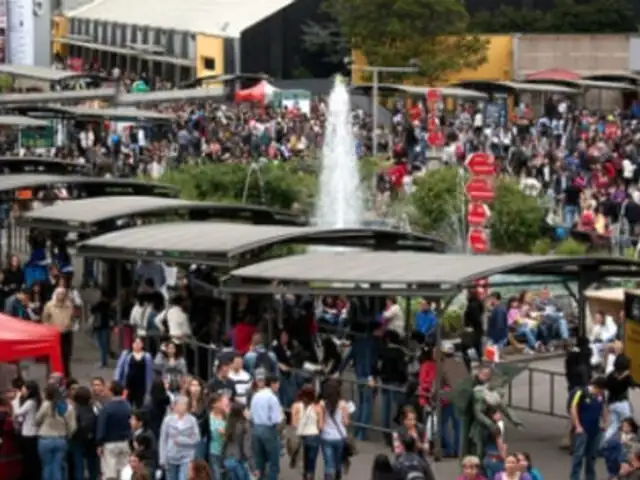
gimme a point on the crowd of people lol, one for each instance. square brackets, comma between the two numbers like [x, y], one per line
[173, 407]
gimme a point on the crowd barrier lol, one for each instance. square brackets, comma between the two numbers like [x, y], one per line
[525, 393]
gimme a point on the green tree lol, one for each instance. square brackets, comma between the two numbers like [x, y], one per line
[437, 206]
[397, 32]
[567, 16]
[507, 19]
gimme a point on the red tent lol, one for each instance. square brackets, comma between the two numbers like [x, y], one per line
[22, 339]
[261, 93]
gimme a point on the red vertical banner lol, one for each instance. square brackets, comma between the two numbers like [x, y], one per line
[479, 191]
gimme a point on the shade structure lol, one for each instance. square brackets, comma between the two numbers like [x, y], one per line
[21, 339]
[261, 93]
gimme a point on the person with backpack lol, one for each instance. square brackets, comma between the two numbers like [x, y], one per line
[56, 422]
[409, 464]
[259, 356]
[82, 445]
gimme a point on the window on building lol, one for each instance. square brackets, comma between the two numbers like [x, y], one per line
[209, 63]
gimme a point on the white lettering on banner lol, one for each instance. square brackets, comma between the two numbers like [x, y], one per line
[21, 32]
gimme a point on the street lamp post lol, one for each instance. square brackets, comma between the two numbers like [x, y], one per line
[375, 71]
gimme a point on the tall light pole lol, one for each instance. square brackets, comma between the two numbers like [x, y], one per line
[375, 71]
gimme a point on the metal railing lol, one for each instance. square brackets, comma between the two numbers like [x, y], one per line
[524, 393]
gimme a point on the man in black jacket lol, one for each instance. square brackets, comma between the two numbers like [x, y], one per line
[410, 465]
[113, 433]
[473, 325]
[391, 371]
[143, 441]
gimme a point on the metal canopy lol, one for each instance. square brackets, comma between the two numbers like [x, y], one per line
[86, 214]
[19, 121]
[120, 114]
[171, 96]
[454, 92]
[218, 243]
[420, 271]
[75, 96]
[91, 186]
[45, 74]
[517, 86]
[39, 165]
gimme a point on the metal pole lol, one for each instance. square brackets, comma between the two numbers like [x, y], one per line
[374, 112]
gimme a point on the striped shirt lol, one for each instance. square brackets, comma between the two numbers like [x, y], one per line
[242, 382]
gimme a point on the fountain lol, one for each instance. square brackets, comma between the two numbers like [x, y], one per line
[340, 200]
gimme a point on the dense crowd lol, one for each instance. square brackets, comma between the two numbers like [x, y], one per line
[193, 398]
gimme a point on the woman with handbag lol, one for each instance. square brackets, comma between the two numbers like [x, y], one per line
[333, 435]
[307, 418]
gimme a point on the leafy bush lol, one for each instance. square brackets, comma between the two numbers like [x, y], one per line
[438, 207]
[282, 186]
[571, 247]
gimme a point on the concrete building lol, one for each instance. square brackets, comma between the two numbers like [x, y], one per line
[173, 39]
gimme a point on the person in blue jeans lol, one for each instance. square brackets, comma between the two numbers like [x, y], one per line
[266, 415]
[52, 452]
[449, 430]
[334, 431]
[364, 354]
[103, 316]
[56, 421]
[587, 412]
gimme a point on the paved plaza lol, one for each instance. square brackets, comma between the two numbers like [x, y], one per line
[541, 436]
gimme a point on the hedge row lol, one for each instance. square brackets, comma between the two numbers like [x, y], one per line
[436, 205]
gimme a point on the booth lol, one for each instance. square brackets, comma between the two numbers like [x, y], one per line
[21, 339]
[262, 93]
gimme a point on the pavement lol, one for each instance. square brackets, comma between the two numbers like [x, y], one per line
[534, 390]
[541, 436]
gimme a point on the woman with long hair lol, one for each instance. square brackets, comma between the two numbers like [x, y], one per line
[512, 470]
[135, 371]
[216, 433]
[382, 468]
[524, 460]
[199, 470]
[238, 461]
[25, 417]
[179, 438]
[198, 408]
[333, 435]
[307, 417]
[82, 444]
[410, 428]
[157, 405]
[56, 421]
[169, 363]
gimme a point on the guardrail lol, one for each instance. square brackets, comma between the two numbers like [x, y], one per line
[525, 393]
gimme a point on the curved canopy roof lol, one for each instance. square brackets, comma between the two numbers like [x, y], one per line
[47, 74]
[483, 85]
[426, 271]
[217, 243]
[39, 164]
[92, 187]
[71, 96]
[86, 214]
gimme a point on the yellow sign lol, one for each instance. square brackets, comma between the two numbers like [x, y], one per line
[632, 332]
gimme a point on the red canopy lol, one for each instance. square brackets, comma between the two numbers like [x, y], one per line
[22, 339]
[261, 93]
